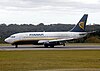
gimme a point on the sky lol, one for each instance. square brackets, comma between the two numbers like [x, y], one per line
[48, 11]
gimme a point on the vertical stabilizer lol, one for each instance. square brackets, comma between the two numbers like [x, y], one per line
[80, 27]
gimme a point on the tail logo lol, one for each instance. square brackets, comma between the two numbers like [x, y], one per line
[81, 25]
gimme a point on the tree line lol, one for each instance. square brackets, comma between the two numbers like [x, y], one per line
[7, 30]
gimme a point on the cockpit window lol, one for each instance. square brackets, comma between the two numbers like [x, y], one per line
[12, 36]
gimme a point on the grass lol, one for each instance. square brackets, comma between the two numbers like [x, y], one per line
[5, 44]
[48, 59]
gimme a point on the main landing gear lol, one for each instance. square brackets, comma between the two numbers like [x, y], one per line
[16, 46]
[46, 46]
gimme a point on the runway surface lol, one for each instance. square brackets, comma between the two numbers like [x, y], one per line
[31, 47]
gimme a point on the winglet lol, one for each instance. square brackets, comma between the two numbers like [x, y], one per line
[80, 27]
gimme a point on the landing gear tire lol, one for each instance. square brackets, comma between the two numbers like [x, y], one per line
[63, 44]
[52, 46]
[46, 46]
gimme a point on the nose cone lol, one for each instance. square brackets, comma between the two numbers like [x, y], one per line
[7, 40]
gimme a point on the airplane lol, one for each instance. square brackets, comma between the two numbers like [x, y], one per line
[49, 39]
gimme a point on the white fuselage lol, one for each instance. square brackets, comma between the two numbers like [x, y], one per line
[44, 36]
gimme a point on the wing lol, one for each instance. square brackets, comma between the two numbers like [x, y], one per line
[54, 41]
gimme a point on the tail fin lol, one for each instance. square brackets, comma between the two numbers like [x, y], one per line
[80, 27]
